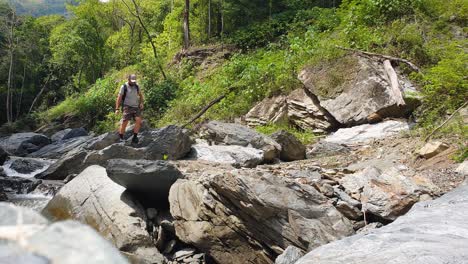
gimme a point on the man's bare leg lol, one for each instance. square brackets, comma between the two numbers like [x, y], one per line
[123, 126]
[137, 127]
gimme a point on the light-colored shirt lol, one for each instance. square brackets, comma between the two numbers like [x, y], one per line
[131, 99]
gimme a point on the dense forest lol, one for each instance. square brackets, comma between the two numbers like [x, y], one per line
[54, 66]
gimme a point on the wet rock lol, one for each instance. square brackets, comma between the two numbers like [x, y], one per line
[21, 144]
[92, 198]
[357, 92]
[236, 156]
[433, 232]
[431, 149]
[365, 133]
[291, 148]
[150, 180]
[71, 163]
[305, 112]
[386, 194]
[272, 110]
[289, 256]
[242, 216]
[235, 134]
[50, 243]
[26, 166]
[18, 185]
[3, 156]
[60, 148]
[324, 149]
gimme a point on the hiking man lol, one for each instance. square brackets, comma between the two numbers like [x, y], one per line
[131, 98]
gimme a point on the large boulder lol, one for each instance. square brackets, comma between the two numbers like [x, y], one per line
[3, 156]
[149, 180]
[170, 142]
[432, 232]
[21, 144]
[291, 148]
[115, 151]
[304, 111]
[71, 163]
[386, 194]
[92, 198]
[367, 132]
[272, 110]
[69, 133]
[324, 149]
[252, 216]
[28, 238]
[60, 148]
[103, 141]
[357, 90]
[235, 134]
[237, 156]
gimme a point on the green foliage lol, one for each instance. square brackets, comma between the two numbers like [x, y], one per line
[306, 137]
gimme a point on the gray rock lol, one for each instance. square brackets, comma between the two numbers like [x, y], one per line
[59, 135]
[93, 199]
[272, 110]
[21, 144]
[365, 133]
[236, 156]
[26, 166]
[3, 156]
[129, 130]
[362, 94]
[71, 163]
[305, 112]
[431, 232]
[243, 216]
[50, 243]
[60, 148]
[115, 151]
[291, 148]
[150, 180]
[463, 168]
[102, 141]
[324, 149]
[235, 134]
[289, 256]
[387, 194]
[170, 142]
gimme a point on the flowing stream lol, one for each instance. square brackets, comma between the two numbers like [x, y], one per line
[27, 168]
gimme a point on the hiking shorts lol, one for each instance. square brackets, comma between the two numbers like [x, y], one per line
[130, 113]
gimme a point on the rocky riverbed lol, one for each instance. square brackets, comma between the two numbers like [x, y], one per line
[367, 193]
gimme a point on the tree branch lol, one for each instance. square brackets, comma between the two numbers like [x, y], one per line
[445, 122]
[208, 106]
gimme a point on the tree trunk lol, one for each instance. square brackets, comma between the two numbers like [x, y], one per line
[209, 19]
[9, 110]
[18, 106]
[187, 25]
[39, 94]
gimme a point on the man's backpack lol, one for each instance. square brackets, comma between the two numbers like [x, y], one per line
[125, 93]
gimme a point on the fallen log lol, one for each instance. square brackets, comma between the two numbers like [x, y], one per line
[208, 106]
[383, 57]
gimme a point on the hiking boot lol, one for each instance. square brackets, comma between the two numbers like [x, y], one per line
[135, 140]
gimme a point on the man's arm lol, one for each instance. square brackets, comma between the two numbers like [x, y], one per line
[117, 103]
[140, 95]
